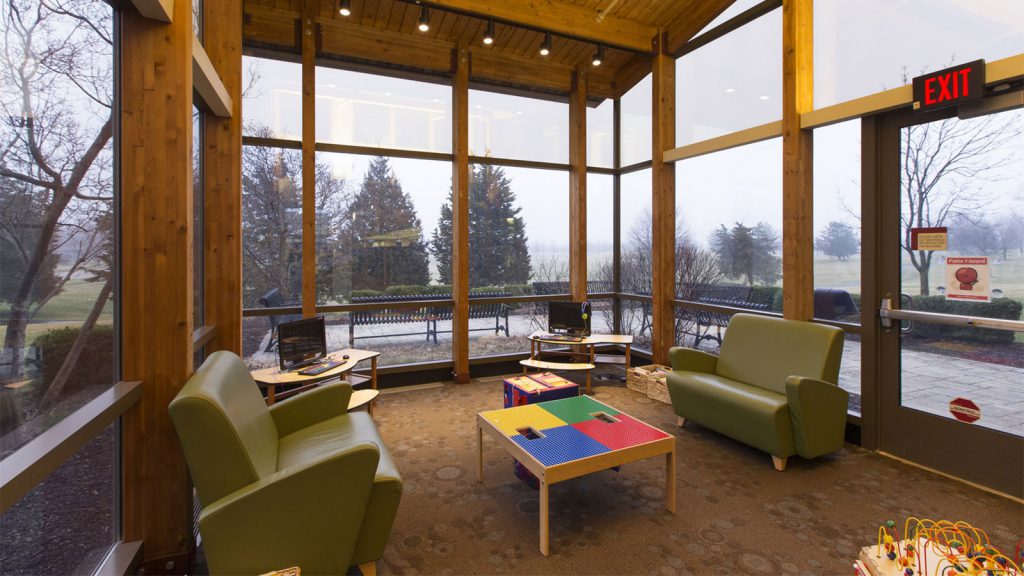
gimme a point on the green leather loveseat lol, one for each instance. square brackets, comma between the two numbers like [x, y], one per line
[772, 386]
[301, 483]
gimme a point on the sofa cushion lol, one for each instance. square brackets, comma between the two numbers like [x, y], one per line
[750, 414]
[763, 351]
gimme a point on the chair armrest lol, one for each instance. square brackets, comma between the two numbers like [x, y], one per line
[310, 407]
[312, 512]
[817, 410]
[692, 360]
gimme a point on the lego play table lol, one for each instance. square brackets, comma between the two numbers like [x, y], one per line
[564, 439]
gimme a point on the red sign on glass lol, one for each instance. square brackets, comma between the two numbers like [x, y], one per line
[964, 410]
[949, 87]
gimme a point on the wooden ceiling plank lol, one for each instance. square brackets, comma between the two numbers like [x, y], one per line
[561, 18]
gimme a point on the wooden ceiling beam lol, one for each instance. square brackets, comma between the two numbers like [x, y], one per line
[560, 18]
[275, 28]
[691, 19]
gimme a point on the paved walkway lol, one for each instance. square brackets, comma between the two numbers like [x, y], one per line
[930, 380]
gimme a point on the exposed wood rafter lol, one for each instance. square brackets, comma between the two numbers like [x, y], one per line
[207, 83]
[561, 18]
[159, 10]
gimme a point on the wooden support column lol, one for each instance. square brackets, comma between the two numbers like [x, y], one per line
[797, 161]
[578, 186]
[617, 215]
[222, 181]
[310, 10]
[156, 275]
[663, 204]
[460, 214]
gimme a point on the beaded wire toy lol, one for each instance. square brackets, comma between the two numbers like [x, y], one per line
[956, 548]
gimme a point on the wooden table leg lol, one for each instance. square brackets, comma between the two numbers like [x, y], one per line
[270, 394]
[479, 454]
[592, 358]
[670, 481]
[627, 357]
[373, 382]
[544, 547]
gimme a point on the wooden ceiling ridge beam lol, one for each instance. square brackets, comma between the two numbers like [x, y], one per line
[559, 18]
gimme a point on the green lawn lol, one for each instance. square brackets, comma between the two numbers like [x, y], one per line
[67, 309]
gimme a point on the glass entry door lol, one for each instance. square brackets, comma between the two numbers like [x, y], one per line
[952, 276]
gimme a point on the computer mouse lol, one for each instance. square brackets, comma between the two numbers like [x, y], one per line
[345, 357]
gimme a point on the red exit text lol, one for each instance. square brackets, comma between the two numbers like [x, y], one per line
[950, 86]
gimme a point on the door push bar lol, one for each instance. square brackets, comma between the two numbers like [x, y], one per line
[887, 314]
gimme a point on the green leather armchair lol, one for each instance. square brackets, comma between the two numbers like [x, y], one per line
[772, 386]
[301, 483]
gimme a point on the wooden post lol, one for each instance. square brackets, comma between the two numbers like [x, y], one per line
[663, 204]
[617, 216]
[797, 161]
[310, 10]
[222, 181]
[578, 186]
[156, 274]
[460, 215]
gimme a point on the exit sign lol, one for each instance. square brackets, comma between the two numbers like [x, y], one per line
[949, 87]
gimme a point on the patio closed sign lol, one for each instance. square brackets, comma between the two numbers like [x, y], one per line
[967, 278]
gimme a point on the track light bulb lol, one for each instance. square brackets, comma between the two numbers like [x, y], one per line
[424, 19]
[598, 56]
[489, 35]
[345, 8]
[545, 46]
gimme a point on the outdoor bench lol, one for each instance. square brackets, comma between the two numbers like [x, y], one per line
[428, 314]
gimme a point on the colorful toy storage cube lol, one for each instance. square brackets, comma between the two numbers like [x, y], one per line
[536, 388]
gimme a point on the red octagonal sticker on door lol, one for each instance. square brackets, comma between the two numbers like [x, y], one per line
[964, 410]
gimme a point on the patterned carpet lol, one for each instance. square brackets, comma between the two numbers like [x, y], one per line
[736, 514]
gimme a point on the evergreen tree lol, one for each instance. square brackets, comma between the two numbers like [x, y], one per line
[838, 241]
[498, 254]
[383, 234]
[748, 252]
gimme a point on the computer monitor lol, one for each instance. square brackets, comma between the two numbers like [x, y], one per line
[301, 342]
[569, 318]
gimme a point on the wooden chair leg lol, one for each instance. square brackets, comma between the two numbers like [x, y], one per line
[368, 568]
[780, 463]
[680, 421]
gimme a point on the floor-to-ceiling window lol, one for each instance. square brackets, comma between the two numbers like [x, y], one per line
[58, 284]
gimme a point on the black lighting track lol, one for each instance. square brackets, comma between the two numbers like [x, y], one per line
[485, 18]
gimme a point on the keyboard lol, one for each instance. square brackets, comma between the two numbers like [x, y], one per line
[319, 368]
[559, 338]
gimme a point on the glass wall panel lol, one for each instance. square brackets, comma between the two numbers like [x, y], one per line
[636, 123]
[600, 231]
[907, 39]
[732, 83]
[68, 522]
[56, 281]
[635, 320]
[271, 232]
[518, 244]
[503, 126]
[729, 232]
[197, 218]
[377, 220]
[372, 110]
[271, 98]
[635, 224]
[600, 135]
[837, 226]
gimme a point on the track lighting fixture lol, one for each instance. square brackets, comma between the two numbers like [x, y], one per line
[598, 56]
[489, 35]
[545, 46]
[424, 19]
[345, 7]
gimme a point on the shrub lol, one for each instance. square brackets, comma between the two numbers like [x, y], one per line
[770, 296]
[364, 293]
[95, 365]
[1003, 308]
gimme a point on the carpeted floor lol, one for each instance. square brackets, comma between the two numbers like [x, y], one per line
[735, 515]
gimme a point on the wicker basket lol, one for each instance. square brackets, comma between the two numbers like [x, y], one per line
[650, 380]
